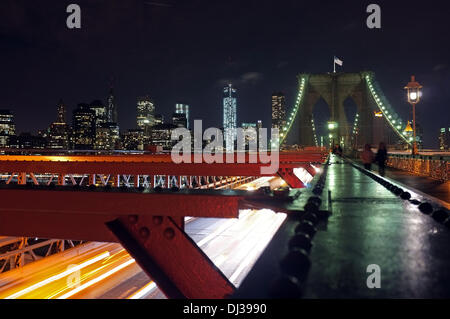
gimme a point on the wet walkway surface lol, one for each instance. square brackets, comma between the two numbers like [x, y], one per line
[426, 185]
[369, 225]
[435, 188]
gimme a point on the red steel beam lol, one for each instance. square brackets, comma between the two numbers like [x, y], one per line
[287, 174]
[297, 156]
[81, 214]
[171, 258]
[148, 224]
[133, 168]
[145, 164]
[223, 204]
[160, 164]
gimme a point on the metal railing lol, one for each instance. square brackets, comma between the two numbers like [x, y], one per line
[433, 166]
[15, 257]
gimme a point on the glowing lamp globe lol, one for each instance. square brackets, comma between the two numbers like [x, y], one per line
[413, 91]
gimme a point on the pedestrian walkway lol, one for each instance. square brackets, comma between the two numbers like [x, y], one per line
[435, 188]
[369, 225]
[426, 185]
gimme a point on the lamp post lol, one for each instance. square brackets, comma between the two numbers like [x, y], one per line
[414, 93]
[331, 127]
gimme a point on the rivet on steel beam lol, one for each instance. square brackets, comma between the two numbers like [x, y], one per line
[157, 220]
[144, 232]
[169, 233]
[133, 219]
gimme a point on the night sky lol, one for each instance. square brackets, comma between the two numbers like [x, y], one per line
[186, 50]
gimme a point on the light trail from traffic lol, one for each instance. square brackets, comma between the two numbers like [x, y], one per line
[232, 244]
[58, 276]
[96, 279]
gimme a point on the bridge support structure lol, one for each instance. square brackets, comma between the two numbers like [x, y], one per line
[148, 222]
[375, 119]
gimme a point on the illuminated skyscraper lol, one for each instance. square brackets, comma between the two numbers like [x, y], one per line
[181, 108]
[7, 127]
[278, 110]
[106, 136]
[83, 133]
[251, 138]
[444, 139]
[179, 119]
[61, 118]
[159, 119]
[111, 108]
[145, 114]
[58, 137]
[133, 139]
[229, 115]
[101, 112]
[161, 135]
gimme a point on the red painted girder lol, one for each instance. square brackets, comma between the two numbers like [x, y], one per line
[182, 269]
[40, 224]
[81, 215]
[132, 168]
[300, 156]
[310, 169]
[287, 174]
[116, 202]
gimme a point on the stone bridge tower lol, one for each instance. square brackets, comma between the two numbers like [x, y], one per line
[335, 88]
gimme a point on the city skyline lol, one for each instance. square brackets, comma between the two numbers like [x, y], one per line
[43, 63]
[243, 151]
[147, 117]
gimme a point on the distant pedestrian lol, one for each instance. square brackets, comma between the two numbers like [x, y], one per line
[367, 157]
[381, 158]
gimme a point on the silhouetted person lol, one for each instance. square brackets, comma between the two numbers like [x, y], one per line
[367, 157]
[338, 150]
[381, 158]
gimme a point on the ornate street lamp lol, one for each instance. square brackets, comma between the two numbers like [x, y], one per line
[414, 93]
